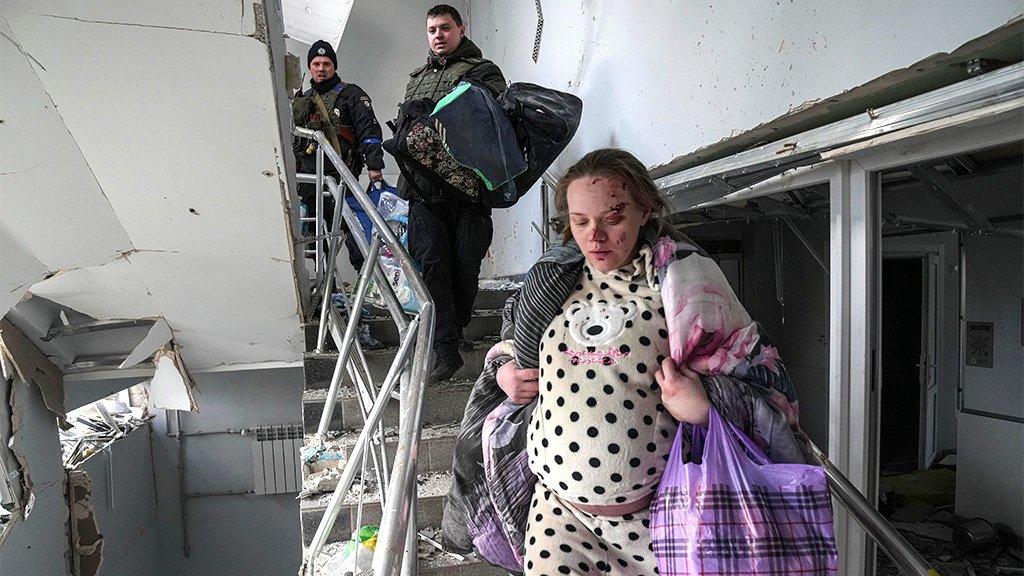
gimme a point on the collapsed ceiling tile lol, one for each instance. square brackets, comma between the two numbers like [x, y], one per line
[171, 387]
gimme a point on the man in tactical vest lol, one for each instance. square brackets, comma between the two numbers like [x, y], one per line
[343, 112]
[448, 236]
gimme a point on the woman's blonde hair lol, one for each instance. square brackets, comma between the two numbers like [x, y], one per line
[611, 163]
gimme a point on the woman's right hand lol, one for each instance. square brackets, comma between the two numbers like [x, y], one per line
[682, 393]
[520, 384]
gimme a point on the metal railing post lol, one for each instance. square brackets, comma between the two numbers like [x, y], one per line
[395, 517]
[345, 347]
[328, 280]
[412, 542]
[318, 203]
[411, 364]
[348, 474]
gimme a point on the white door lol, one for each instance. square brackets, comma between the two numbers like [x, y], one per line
[926, 367]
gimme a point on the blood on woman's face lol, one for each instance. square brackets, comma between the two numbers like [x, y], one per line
[604, 221]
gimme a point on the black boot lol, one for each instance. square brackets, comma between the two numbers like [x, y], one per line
[446, 364]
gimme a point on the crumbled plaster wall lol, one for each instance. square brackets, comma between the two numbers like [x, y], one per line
[86, 540]
[39, 544]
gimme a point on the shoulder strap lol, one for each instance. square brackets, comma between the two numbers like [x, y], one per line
[330, 133]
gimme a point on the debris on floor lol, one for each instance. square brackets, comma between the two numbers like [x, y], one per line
[496, 284]
[430, 555]
[953, 545]
[914, 511]
[920, 506]
[936, 487]
[350, 558]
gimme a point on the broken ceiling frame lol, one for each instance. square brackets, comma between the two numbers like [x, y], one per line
[943, 190]
[94, 326]
[901, 225]
[159, 335]
[95, 427]
[708, 182]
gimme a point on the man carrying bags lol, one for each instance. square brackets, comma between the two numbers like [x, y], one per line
[449, 234]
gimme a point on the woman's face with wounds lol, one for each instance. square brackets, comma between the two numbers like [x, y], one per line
[604, 221]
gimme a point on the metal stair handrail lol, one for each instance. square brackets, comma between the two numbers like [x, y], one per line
[397, 539]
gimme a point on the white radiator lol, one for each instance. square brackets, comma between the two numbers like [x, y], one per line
[276, 467]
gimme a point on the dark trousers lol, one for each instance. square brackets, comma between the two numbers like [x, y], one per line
[449, 240]
[307, 193]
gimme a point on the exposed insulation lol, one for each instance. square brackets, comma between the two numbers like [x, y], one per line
[87, 542]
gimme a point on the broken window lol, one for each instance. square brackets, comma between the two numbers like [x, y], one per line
[94, 427]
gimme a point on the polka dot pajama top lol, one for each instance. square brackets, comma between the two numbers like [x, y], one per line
[600, 436]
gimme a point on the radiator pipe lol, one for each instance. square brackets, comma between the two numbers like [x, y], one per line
[225, 493]
[186, 547]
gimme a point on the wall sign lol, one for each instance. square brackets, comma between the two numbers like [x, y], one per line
[980, 343]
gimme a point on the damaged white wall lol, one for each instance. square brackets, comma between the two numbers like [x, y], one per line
[664, 78]
[990, 458]
[39, 544]
[147, 176]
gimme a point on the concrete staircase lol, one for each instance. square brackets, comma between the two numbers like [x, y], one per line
[442, 412]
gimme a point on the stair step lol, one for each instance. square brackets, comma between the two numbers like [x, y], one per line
[486, 321]
[443, 565]
[444, 403]
[431, 561]
[483, 324]
[493, 293]
[433, 490]
[436, 451]
[320, 367]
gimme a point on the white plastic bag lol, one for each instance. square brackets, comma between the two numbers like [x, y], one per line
[396, 213]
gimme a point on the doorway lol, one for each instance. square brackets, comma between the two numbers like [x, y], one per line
[908, 386]
[934, 216]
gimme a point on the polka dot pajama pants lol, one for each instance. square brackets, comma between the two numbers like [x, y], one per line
[561, 539]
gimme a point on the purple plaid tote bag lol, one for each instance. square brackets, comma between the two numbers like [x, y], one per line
[738, 513]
